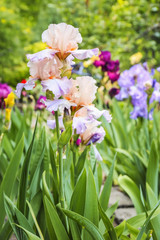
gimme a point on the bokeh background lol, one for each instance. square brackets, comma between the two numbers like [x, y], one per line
[122, 27]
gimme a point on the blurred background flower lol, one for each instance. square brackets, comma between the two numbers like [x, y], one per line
[4, 91]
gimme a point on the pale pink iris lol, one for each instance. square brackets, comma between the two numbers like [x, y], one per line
[63, 39]
[83, 91]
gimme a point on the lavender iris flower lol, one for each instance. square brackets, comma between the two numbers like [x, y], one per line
[156, 93]
[135, 83]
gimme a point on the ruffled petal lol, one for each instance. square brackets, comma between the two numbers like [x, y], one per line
[62, 36]
[82, 54]
[80, 124]
[47, 53]
[57, 104]
[29, 85]
[45, 68]
[96, 113]
[59, 87]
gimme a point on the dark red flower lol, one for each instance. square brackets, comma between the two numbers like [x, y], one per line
[113, 92]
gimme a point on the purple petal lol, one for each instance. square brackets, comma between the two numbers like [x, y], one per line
[80, 124]
[97, 136]
[78, 142]
[122, 94]
[158, 69]
[4, 90]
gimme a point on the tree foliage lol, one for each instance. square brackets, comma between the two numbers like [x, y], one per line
[122, 27]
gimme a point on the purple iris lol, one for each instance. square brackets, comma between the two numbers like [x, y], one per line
[104, 57]
[136, 83]
[112, 66]
[108, 65]
[4, 91]
[94, 138]
[123, 94]
[156, 93]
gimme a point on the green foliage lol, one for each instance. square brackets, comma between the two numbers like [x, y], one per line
[30, 181]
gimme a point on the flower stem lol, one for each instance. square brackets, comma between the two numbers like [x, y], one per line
[60, 152]
[61, 191]
[74, 163]
[57, 124]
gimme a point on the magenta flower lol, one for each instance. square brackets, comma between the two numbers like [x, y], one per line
[104, 57]
[113, 66]
[39, 104]
[78, 142]
[108, 65]
[113, 76]
[4, 91]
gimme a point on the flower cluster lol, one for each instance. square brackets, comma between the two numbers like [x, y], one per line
[110, 69]
[39, 104]
[4, 91]
[107, 65]
[9, 103]
[73, 98]
[138, 83]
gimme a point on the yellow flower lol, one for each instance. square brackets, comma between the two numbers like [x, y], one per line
[8, 114]
[90, 61]
[9, 101]
[27, 30]
[3, 9]
[3, 20]
[136, 58]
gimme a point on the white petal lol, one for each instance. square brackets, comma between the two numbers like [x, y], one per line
[52, 123]
[97, 154]
[82, 54]
[96, 113]
[46, 53]
[29, 85]
[59, 87]
[62, 37]
[57, 104]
